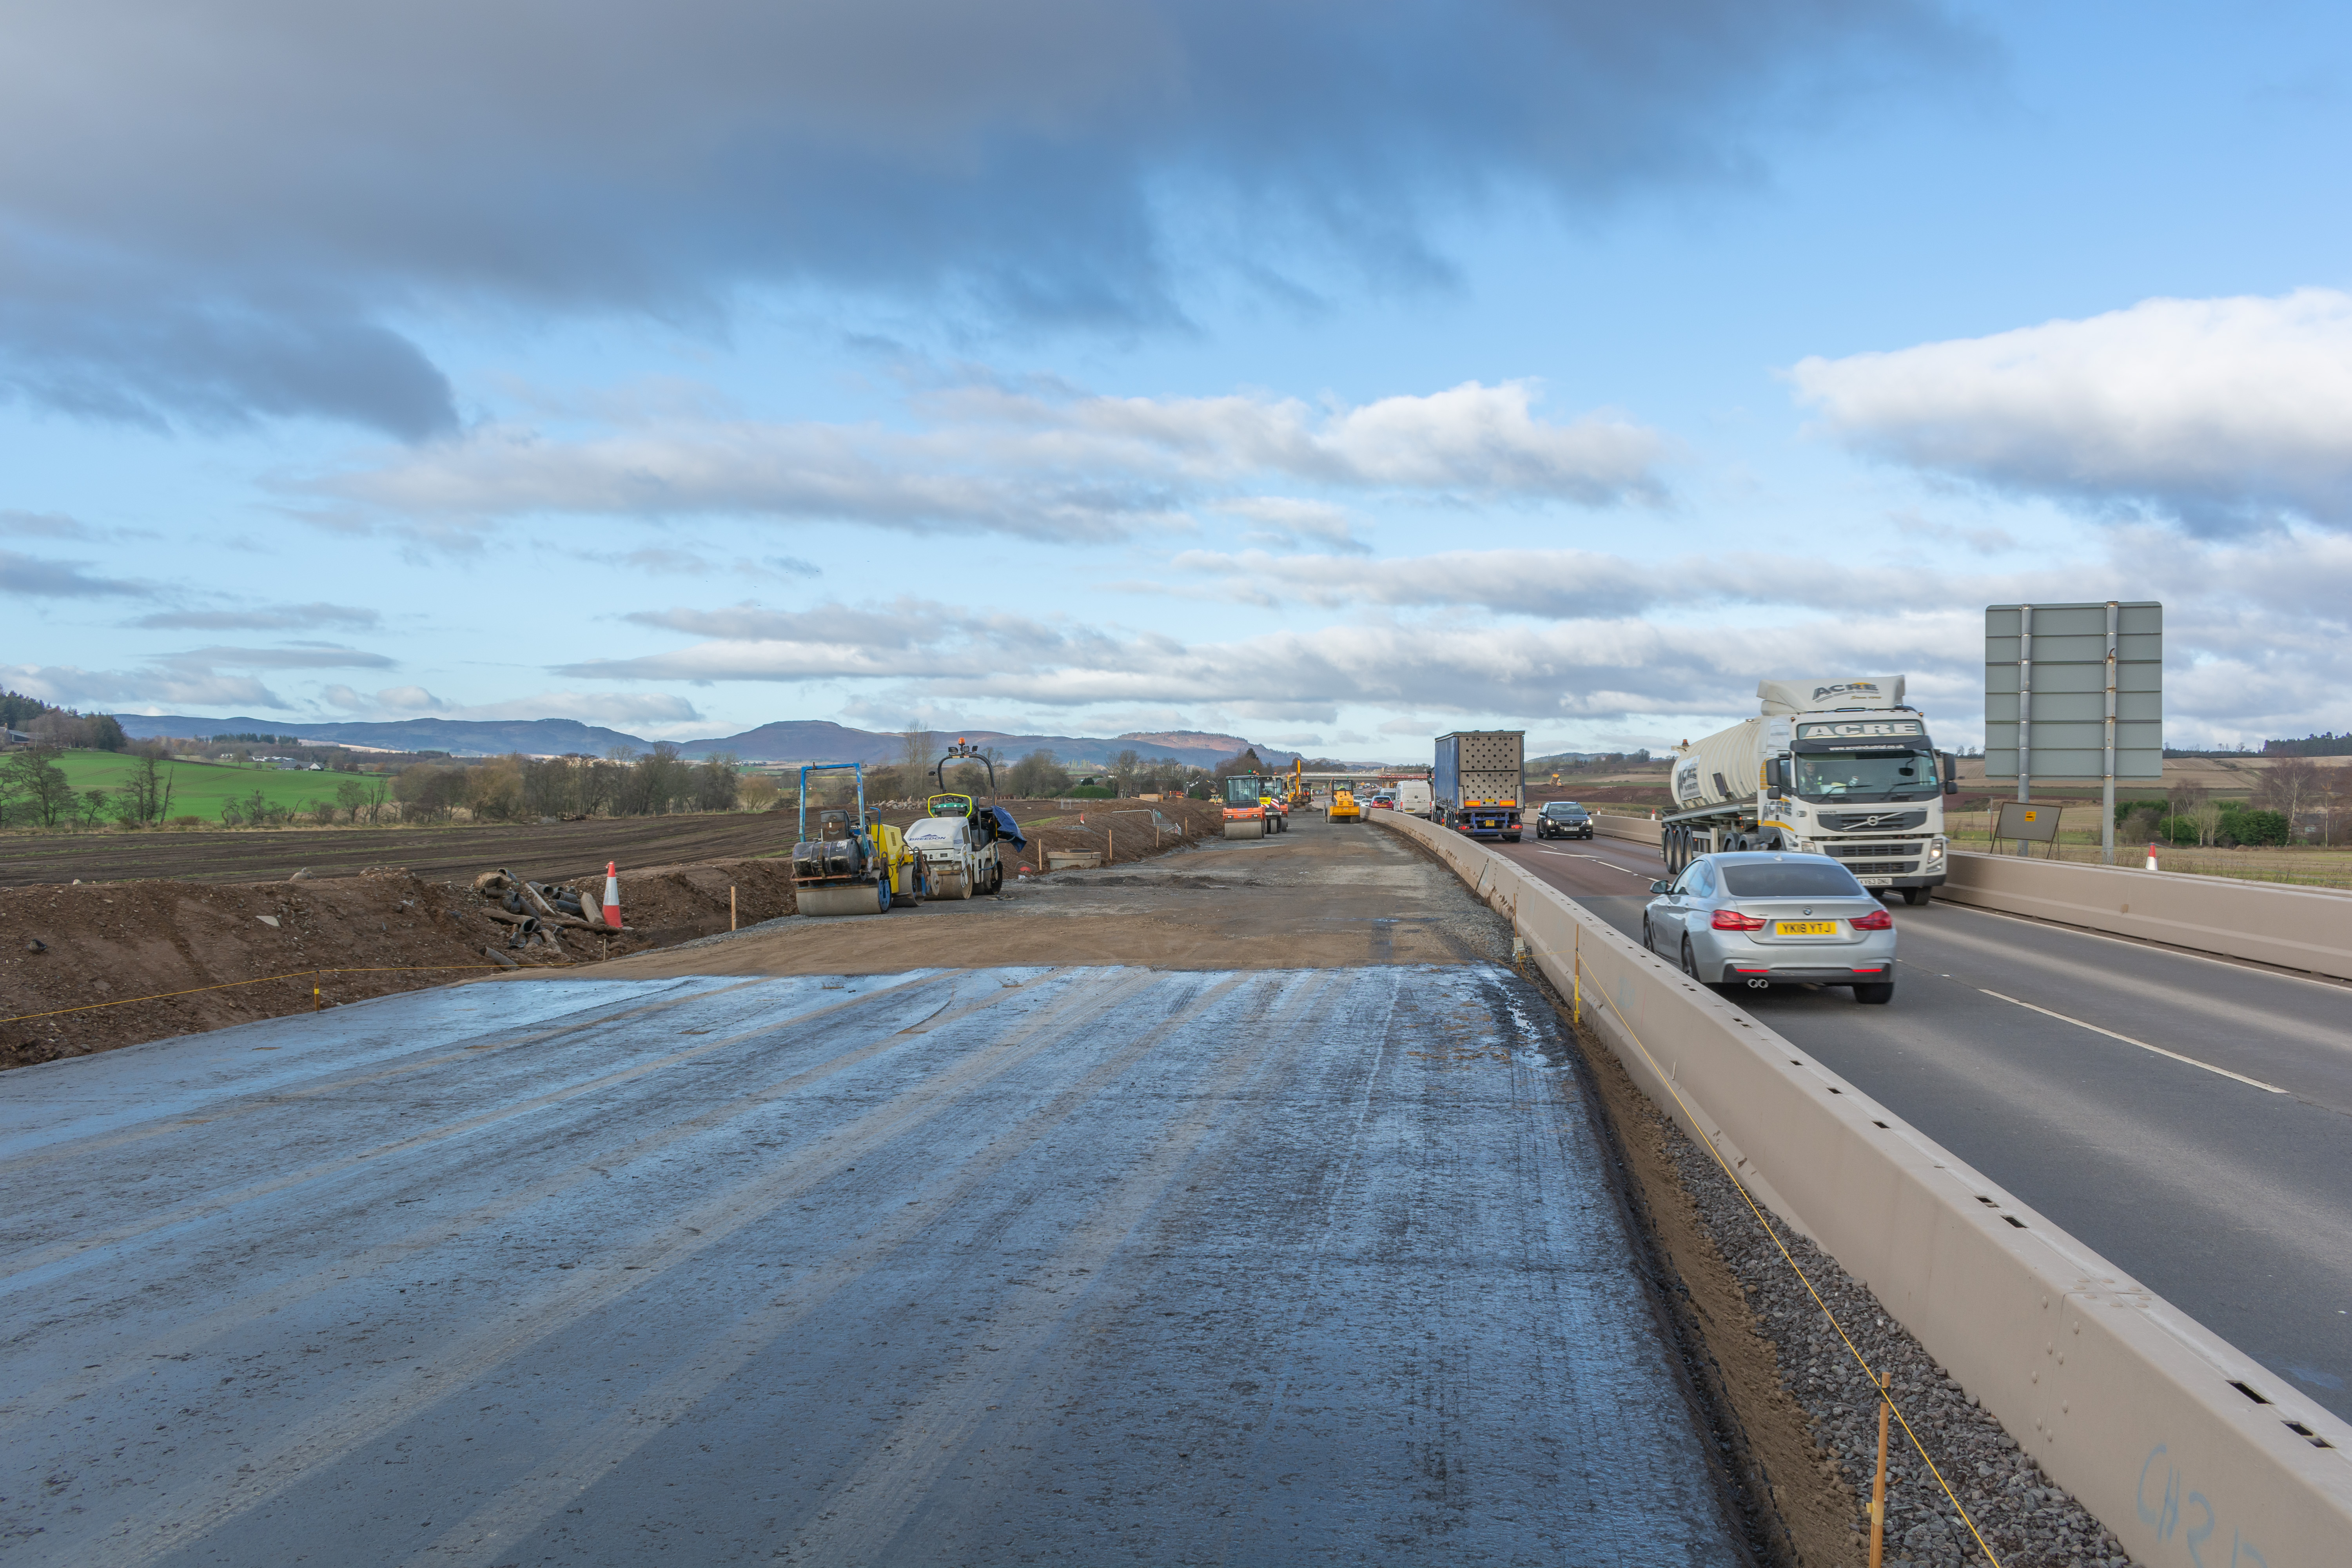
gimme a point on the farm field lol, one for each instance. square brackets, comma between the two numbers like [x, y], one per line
[201, 789]
[554, 852]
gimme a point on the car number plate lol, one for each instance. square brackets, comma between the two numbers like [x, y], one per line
[1804, 928]
[1876, 881]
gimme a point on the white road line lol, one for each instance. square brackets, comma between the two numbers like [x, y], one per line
[1572, 855]
[2143, 1044]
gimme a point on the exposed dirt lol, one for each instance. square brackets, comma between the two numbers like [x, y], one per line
[198, 942]
[1316, 897]
[67, 952]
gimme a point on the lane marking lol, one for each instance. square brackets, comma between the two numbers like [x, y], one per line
[1572, 855]
[2143, 1044]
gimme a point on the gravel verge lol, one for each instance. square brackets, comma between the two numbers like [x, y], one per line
[2026, 1519]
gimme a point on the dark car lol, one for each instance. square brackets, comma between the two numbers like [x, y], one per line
[1563, 819]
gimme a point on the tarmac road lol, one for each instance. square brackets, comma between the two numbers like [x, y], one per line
[2233, 1201]
[1064, 1265]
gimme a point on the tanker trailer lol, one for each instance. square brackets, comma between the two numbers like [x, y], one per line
[1835, 767]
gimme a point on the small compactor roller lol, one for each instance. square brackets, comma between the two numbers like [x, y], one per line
[1245, 807]
[1344, 808]
[853, 863]
[963, 842]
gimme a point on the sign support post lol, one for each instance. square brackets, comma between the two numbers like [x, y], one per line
[2107, 793]
[2025, 719]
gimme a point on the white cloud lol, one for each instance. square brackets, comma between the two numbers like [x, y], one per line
[2220, 411]
[265, 618]
[149, 691]
[989, 458]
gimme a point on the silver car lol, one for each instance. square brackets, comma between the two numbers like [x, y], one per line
[1764, 916]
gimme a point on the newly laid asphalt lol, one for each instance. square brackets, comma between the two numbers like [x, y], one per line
[2232, 1201]
[1040, 1265]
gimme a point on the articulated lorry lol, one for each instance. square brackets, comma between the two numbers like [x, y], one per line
[1480, 783]
[1835, 767]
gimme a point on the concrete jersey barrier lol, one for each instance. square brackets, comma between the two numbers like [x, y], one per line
[2296, 928]
[2188, 1449]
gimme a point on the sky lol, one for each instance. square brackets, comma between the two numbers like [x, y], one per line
[1329, 374]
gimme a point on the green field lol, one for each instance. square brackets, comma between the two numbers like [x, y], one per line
[199, 789]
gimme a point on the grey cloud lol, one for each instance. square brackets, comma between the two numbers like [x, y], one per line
[42, 525]
[224, 212]
[267, 619]
[312, 656]
[31, 577]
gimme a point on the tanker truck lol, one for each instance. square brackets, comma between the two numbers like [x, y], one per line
[1835, 767]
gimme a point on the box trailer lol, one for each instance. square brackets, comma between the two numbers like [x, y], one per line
[1480, 783]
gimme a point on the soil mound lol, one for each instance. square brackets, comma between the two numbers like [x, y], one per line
[90, 967]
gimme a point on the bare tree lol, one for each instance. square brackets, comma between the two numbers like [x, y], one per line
[2288, 786]
[915, 753]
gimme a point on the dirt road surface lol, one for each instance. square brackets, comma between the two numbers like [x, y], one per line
[971, 1261]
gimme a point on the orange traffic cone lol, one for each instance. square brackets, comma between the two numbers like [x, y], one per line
[2151, 856]
[611, 895]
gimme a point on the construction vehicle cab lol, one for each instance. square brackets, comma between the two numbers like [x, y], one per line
[1344, 808]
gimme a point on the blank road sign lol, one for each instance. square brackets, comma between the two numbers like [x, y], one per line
[2069, 675]
[2019, 820]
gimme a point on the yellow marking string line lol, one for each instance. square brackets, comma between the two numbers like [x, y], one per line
[1875, 1382]
[228, 984]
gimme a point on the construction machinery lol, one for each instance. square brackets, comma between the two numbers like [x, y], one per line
[1244, 806]
[842, 868]
[1275, 798]
[1300, 798]
[962, 841]
[1343, 806]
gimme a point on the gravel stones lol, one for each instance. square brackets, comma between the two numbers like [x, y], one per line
[2026, 1520]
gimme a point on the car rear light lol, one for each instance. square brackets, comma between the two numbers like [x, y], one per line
[1732, 920]
[1876, 920]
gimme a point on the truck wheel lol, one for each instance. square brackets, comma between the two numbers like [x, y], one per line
[1917, 896]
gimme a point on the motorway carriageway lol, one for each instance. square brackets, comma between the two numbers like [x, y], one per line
[2232, 1199]
[1072, 1265]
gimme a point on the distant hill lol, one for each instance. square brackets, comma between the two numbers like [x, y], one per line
[460, 737]
[786, 740]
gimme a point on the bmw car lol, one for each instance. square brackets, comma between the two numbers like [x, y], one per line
[1772, 918]
[1563, 819]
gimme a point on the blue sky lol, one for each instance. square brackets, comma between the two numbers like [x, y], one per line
[1328, 376]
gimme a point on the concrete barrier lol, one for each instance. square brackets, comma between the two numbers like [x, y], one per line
[2183, 1446]
[2296, 927]
[1633, 829]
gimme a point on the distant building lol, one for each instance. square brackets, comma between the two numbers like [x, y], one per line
[13, 737]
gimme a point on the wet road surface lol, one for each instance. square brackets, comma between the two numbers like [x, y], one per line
[1071, 1265]
[2233, 1203]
